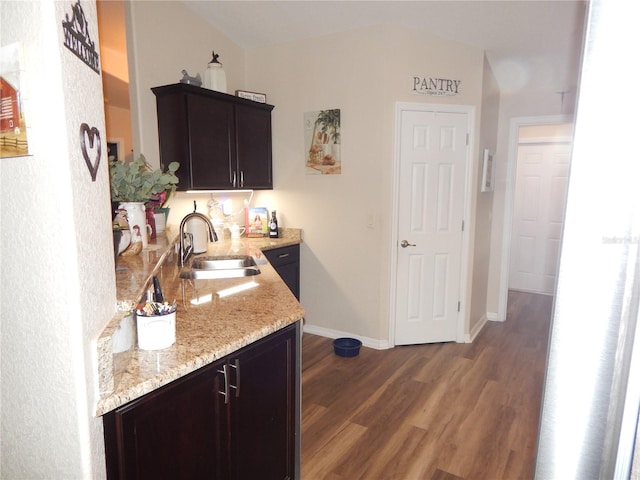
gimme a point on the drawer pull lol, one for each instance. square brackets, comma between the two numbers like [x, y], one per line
[236, 387]
[283, 255]
[225, 393]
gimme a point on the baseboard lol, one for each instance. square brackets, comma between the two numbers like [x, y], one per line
[329, 333]
[494, 317]
[475, 331]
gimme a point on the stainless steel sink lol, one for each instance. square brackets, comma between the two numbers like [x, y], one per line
[223, 262]
[230, 266]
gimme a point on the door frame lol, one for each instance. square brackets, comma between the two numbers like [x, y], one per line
[509, 198]
[469, 110]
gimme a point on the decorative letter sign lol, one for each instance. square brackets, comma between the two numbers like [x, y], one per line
[435, 86]
[78, 40]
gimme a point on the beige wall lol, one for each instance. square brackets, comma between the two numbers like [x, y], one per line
[514, 105]
[57, 273]
[118, 128]
[163, 38]
[345, 264]
[484, 208]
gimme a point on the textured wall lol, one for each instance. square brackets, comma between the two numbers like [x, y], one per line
[58, 285]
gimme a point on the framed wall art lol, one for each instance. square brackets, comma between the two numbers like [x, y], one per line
[115, 150]
[13, 125]
[322, 141]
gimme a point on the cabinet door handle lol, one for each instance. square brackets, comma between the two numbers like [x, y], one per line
[225, 393]
[233, 182]
[236, 387]
[241, 178]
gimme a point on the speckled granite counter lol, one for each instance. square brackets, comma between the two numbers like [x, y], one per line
[205, 331]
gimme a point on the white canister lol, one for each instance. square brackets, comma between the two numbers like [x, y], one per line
[157, 331]
[214, 76]
[200, 232]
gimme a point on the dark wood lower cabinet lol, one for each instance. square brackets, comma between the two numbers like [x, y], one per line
[237, 418]
[286, 261]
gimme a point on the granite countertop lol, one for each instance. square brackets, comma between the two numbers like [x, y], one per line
[208, 327]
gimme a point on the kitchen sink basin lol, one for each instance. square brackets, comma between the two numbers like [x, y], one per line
[230, 266]
[223, 262]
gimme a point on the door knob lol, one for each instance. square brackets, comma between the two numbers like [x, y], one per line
[405, 244]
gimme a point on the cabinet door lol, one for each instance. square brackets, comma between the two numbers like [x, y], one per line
[211, 143]
[290, 274]
[286, 261]
[171, 433]
[253, 137]
[173, 135]
[263, 415]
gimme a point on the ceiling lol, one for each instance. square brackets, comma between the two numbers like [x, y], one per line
[533, 44]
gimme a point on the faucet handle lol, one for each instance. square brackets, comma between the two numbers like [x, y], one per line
[186, 249]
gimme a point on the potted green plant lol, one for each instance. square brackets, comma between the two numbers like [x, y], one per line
[135, 185]
[138, 182]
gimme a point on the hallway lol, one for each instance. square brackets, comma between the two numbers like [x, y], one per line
[437, 411]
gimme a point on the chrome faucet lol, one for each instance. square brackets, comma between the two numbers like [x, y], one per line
[185, 252]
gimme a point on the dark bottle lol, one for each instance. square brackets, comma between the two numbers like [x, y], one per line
[273, 226]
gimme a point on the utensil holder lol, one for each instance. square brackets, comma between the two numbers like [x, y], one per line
[156, 332]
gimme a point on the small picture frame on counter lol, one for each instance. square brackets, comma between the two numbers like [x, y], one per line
[256, 97]
[257, 222]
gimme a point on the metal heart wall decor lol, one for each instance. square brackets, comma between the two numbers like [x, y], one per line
[93, 135]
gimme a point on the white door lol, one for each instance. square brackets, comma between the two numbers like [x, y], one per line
[538, 211]
[433, 153]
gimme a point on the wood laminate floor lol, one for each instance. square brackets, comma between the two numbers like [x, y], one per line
[439, 411]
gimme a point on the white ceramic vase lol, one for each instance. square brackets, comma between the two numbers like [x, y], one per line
[137, 220]
[215, 78]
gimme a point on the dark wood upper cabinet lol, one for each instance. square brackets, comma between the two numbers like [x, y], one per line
[221, 141]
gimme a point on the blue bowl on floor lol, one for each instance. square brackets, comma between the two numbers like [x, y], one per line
[346, 347]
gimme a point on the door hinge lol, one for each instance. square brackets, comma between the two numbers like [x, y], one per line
[467, 140]
[463, 225]
[458, 306]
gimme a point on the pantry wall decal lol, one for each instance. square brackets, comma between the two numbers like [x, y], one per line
[435, 86]
[78, 40]
[13, 125]
[322, 138]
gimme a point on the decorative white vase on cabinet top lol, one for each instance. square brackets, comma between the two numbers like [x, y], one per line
[214, 76]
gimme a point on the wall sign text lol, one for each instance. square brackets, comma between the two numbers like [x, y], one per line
[435, 86]
[78, 40]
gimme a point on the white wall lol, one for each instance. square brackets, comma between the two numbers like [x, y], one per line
[57, 274]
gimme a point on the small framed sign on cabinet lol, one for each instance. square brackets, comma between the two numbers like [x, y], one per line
[256, 97]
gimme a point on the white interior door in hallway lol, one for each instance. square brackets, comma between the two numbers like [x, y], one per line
[433, 152]
[540, 196]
